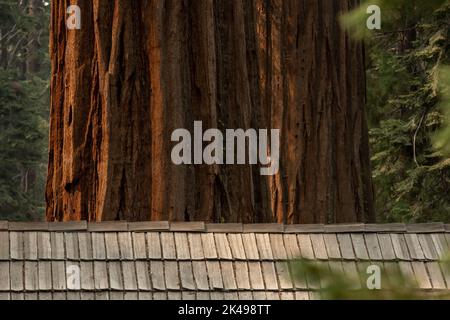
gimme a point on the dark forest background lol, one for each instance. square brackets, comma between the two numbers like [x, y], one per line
[407, 92]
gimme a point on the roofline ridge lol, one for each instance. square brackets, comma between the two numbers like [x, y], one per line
[203, 227]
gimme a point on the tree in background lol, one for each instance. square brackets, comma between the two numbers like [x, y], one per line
[24, 99]
[406, 67]
[137, 70]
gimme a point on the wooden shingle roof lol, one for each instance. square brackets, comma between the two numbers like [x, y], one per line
[161, 260]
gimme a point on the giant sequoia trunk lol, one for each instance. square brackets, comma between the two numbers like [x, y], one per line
[137, 70]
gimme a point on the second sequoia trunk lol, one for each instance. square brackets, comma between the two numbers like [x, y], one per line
[138, 70]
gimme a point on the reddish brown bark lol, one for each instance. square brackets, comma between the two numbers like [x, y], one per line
[137, 70]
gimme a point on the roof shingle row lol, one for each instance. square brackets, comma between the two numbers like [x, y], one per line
[86, 246]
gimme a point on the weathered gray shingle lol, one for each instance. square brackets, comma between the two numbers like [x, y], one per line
[256, 277]
[98, 246]
[264, 248]
[160, 296]
[292, 248]
[387, 249]
[85, 246]
[168, 246]
[31, 276]
[306, 249]
[87, 275]
[171, 275]
[16, 296]
[223, 247]
[400, 247]
[287, 296]
[87, 296]
[101, 275]
[125, 246]
[129, 275]
[145, 296]
[16, 245]
[301, 295]
[203, 296]
[273, 295]
[71, 242]
[187, 276]
[154, 246]
[130, 296]
[278, 247]
[346, 246]
[57, 244]
[359, 245]
[250, 246]
[284, 276]
[59, 296]
[4, 276]
[427, 244]
[45, 275]
[157, 275]
[421, 275]
[116, 296]
[242, 275]
[415, 250]
[195, 246]
[200, 275]
[441, 245]
[269, 275]
[445, 273]
[215, 275]
[332, 246]
[5, 296]
[31, 296]
[373, 247]
[259, 295]
[115, 275]
[44, 246]
[217, 296]
[182, 246]
[143, 275]
[231, 296]
[228, 275]
[139, 246]
[237, 246]
[59, 275]
[245, 295]
[209, 246]
[318, 244]
[436, 276]
[112, 246]
[4, 246]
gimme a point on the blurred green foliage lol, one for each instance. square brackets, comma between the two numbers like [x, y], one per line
[408, 107]
[343, 285]
[24, 101]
